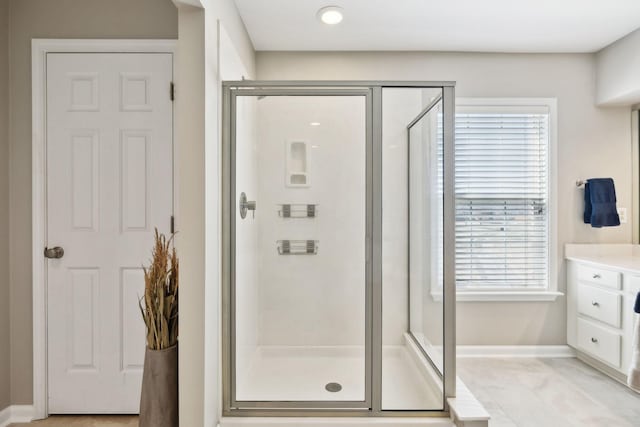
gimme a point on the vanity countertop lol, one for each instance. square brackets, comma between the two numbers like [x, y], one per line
[614, 256]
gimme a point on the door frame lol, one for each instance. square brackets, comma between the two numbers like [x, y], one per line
[39, 50]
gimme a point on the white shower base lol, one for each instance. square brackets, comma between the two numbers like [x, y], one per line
[285, 373]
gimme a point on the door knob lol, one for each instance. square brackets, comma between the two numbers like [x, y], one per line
[55, 253]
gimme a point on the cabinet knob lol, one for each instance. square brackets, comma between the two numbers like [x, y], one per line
[595, 303]
[596, 276]
[594, 340]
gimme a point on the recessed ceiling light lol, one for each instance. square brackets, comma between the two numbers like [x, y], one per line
[330, 15]
[314, 124]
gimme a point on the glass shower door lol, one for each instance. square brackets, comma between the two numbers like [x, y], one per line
[299, 194]
[426, 232]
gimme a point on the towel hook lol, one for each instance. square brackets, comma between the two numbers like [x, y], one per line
[580, 183]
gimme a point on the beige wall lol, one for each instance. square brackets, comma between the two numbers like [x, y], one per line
[203, 58]
[5, 391]
[190, 130]
[232, 50]
[592, 142]
[618, 71]
[52, 19]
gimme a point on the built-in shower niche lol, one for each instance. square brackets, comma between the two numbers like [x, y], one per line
[297, 163]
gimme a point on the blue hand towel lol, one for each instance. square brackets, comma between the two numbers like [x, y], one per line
[600, 203]
[587, 203]
[636, 308]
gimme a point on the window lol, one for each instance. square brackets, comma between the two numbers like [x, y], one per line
[503, 172]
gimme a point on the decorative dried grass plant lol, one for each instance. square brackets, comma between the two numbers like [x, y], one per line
[160, 309]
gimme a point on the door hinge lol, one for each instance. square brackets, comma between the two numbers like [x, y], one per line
[172, 91]
[173, 224]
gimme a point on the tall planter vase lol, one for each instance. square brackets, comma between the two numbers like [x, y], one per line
[159, 398]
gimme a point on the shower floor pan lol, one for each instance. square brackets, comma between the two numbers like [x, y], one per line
[305, 373]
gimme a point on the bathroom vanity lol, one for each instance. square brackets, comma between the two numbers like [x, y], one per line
[602, 283]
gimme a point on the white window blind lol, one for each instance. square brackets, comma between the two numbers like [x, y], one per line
[501, 172]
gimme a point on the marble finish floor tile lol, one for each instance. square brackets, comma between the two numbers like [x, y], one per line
[521, 392]
[517, 392]
[83, 421]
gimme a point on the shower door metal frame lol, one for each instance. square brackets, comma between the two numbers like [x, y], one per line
[372, 404]
[366, 94]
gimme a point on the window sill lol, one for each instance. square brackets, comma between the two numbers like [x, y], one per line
[502, 296]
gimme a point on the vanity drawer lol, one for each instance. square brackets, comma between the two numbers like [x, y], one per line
[608, 278]
[599, 342]
[600, 304]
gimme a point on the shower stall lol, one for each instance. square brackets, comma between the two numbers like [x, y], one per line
[338, 258]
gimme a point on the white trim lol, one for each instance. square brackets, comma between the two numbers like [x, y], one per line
[39, 50]
[16, 414]
[509, 351]
[189, 3]
[553, 193]
[466, 410]
[5, 417]
[501, 296]
[635, 177]
[514, 101]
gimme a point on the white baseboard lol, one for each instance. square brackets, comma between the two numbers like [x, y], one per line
[16, 414]
[5, 416]
[533, 351]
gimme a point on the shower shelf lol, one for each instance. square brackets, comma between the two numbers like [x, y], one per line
[297, 247]
[289, 210]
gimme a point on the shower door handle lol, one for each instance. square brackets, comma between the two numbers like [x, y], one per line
[246, 205]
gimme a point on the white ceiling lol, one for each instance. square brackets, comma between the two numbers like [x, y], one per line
[442, 25]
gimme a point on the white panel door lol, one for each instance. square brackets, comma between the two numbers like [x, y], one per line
[109, 184]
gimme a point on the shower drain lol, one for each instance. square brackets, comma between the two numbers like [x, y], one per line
[333, 387]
